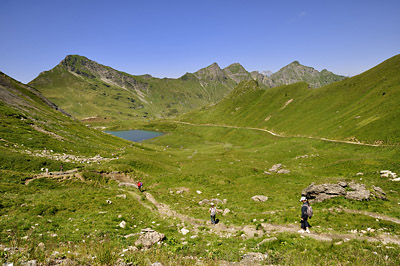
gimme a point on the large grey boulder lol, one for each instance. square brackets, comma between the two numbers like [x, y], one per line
[359, 192]
[322, 192]
[149, 237]
[319, 193]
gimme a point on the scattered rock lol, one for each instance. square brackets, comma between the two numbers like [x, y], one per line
[127, 185]
[184, 231]
[226, 211]
[283, 171]
[121, 196]
[148, 238]
[379, 193]
[387, 173]
[267, 240]
[41, 246]
[215, 201]
[29, 263]
[198, 192]
[130, 235]
[122, 224]
[395, 179]
[253, 257]
[156, 264]
[259, 198]
[275, 167]
[109, 201]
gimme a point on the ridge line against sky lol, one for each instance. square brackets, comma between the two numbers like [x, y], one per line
[170, 38]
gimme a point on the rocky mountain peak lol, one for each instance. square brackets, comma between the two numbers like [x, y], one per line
[212, 72]
[237, 72]
[296, 72]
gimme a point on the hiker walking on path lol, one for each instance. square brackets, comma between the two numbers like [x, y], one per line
[139, 186]
[306, 212]
[213, 212]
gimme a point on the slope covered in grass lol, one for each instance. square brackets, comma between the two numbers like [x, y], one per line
[361, 108]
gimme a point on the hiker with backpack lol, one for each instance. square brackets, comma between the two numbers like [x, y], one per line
[306, 212]
[213, 212]
[139, 186]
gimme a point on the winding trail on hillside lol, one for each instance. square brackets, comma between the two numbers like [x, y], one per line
[280, 135]
[226, 231]
[56, 175]
[250, 231]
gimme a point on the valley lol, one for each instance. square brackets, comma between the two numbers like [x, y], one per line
[246, 139]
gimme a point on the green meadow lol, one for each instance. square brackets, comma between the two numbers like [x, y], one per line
[222, 152]
[72, 216]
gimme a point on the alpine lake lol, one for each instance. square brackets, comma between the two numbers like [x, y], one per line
[135, 135]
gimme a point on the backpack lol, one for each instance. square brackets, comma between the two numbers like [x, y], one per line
[309, 211]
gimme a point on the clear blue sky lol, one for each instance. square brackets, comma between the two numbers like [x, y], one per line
[166, 38]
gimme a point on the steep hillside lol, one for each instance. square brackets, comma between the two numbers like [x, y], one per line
[34, 132]
[361, 108]
[94, 92]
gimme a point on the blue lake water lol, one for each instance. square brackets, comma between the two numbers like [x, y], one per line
[135, 135]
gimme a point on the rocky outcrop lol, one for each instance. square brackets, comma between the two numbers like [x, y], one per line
[359, 192]
[148, 238]
[354, 191]
[259, 198]
[278, 168]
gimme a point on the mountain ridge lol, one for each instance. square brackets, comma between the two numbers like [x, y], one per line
[360, 108]
[86, 88]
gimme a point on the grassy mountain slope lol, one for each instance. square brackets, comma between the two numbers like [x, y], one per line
[359, 108]
[87, 89]
[31, 124]
[69, 220]
[95, 92]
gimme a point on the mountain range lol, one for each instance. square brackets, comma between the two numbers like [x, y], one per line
[93, 92]
[361, 108]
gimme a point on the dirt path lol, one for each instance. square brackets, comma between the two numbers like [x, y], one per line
[280, 135]
[247, 231]
[66, 174]
[374, 215]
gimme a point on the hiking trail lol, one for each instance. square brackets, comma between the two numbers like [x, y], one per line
[280, 135]
[226, 231]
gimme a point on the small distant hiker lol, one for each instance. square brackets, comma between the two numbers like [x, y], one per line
[306, 212]
[139, 186]
[213, 212]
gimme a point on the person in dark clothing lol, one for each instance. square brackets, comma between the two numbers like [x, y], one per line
[304, 216]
